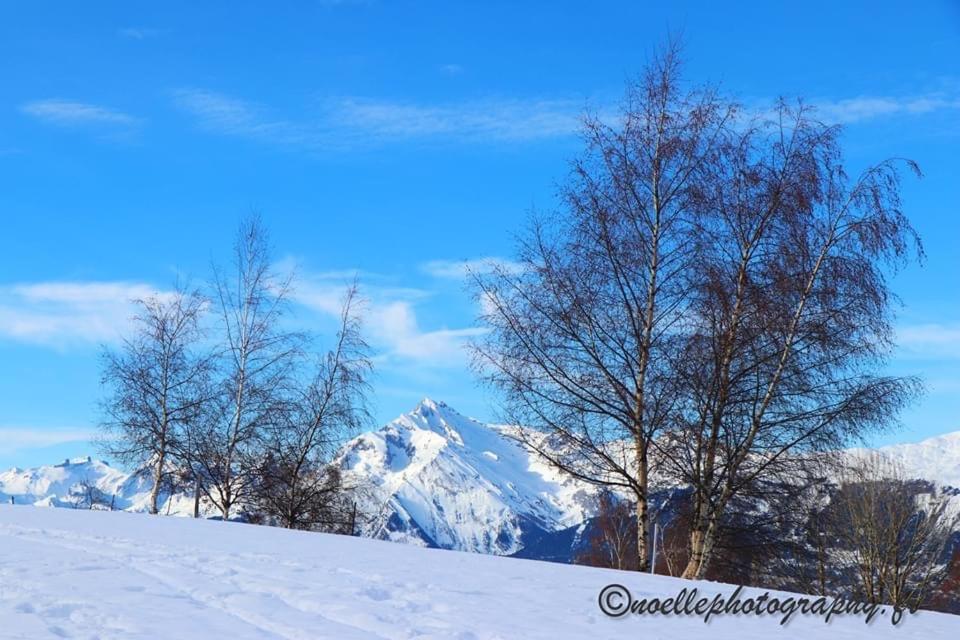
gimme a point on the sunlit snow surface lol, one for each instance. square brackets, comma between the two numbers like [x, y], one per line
[86, 574]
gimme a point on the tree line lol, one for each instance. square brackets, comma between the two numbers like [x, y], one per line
[870, 533]
[213, 391]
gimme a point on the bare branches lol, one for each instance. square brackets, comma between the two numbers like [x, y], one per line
[711, 303]
[791, 319]
[585, 337]
[159, 383]
[892, 533]
[297, 486]
[243, 418]
[257, 359]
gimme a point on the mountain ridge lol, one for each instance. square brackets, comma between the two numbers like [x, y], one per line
[431, 477]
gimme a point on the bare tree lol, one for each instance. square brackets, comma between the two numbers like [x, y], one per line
[789, 321]
[86, 495]
[711, 305]
[585, 336]
[257, 358]
[297, 486]
[892, 532]
[947, 596]
[613, 538]
[158, 382]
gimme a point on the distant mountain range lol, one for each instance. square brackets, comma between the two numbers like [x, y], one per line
[432, 477]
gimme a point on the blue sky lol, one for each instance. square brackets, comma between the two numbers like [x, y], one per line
[396, 139]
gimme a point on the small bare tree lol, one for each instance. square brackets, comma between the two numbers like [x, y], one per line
[86, 495]
[613, 538]
[892, 531]
[296, 484]
[158, 382]
[257, 358]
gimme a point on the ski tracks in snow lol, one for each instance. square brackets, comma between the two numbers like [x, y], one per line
[222, 589]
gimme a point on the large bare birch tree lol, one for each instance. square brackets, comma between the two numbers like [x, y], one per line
[710, 303]
[789, 322]
[584, 337]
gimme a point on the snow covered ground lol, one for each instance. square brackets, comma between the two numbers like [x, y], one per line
[90, 574]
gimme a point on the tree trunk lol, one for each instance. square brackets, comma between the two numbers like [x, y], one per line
[196, 499]
[157, 478]
[643, 519]
[697, 536]
[703, 538]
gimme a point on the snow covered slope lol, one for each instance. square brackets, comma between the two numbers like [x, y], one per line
[79, 574]
[441, 479]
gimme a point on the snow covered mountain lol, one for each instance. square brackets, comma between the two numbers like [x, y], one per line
[440, 479]
[85, 483]
[936, 459]
[432, 477]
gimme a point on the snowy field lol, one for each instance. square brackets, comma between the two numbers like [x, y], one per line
[85, 574]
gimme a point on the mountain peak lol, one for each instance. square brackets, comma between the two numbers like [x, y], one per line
[432, 405]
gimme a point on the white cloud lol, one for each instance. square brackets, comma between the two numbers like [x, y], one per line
[459, 269]
[862, 108]
[69, 113]
[16, 439]
[66, 313]
[350, 122]
[451, 69]
[225, 115]
[395, 325]
[934, 341]
[512, 120]
[390, 320]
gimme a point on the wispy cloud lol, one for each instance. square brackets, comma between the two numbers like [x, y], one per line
[933, 341]
[459, 269]
[70, 113]
[139, 33]
[17, 439]
[395, 325]
[222, 114]
[451, 69]
[863, 108]
[488, 120]
[351, 121]
[67, 313]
